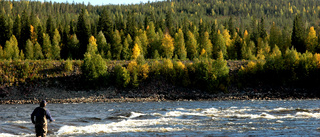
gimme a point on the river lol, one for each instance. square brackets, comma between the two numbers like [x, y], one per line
[186, 118]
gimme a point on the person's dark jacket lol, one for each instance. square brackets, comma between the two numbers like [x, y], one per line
[39, 113]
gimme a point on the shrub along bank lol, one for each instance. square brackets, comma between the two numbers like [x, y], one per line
[291, 70]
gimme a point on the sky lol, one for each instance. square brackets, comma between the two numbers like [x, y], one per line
[103, 2]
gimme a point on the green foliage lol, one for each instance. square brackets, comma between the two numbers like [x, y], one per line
[180, 48]
[68, 65]
[38, 51]
[94, 67]
[122, 76]
[29, 50]
[192, 46]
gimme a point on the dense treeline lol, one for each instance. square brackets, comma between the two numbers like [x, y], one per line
[181, 29]
[280, 37]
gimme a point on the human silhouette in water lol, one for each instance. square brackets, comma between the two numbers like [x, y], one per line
[41, 114]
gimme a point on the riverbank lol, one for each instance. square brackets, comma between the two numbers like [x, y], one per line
[152, 92]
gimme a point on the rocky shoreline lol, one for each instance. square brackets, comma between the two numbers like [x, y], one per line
[171, 93]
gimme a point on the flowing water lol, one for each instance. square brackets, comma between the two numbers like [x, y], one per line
[189, 118]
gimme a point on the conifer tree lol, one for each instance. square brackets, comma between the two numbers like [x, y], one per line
[105, 25]
[29, 50]
[17, 27]
[298, 35]
[47, 47]
[131, 24]
[125, 54]
[8, 50]
[206, 45]
[219, 45]
[117, 45]
[262, 29]
[144, 42]
[192, 46]
[56, 45]
[50, 28]
[82, 33]
[180, 48]
[102, 44]
[167, 46]
[38, 51]
[3, 30]
[25, 30]
[274, 36]
[169, 22]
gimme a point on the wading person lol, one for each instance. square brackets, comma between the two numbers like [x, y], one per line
[41, 114]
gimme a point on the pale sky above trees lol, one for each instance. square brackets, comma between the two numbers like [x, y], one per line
[103, 2]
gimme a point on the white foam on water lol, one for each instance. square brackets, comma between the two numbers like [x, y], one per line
[123, 126]
[307, 115]
[135, 115]
[19, 122]
[6, 135]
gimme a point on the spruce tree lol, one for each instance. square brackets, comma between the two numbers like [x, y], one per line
[105, 25]
[17, 27]
[169, 22]
[47, 47]
[56, 45]
[116, 46]
[192, 46]
[38, 51]
[3, 30]
[102, 44]
[29, 50]
[298, 35]
[82, 34]
[25, 30]
[180, 47]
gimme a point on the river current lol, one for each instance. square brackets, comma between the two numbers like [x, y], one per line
[186, 118]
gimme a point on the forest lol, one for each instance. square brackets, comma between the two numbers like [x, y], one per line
[188, 40]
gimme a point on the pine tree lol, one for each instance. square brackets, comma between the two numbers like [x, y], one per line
[131, 24]
[219, 45]
[116, 46]
[125, 54]
[298, 35]
[3, 30]
[144, 43]
[25, 30]
[56, 45]
[231, 28]
[8, 50]
[180, 48]
[192, 46]
[167, 46]
[29, 50]
[50, 27]
[17, 27]
[82, 33]
[47, 47]
[102, 44]
[206, 45]
[38, 51]
[105, 25]
[262, 29]
[169, 22]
